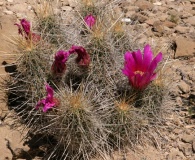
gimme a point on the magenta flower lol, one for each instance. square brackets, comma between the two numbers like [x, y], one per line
[58, 67]
[140, 68]
[83, 58]
[26, 26]
[24, 30]
[90, 20]
[48, 102]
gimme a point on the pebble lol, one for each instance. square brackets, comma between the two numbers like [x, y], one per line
[29, 7]
[66, 8]
[157, 3]
[181, 29]
[1, 3]
[128, 20]
[186, 148]
[19, 15]
[185, 47]
[191, 20]
[193, 146]
[8, 12]
[184, 87]
[188, 138]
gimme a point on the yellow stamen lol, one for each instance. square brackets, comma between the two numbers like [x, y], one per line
[139, 72]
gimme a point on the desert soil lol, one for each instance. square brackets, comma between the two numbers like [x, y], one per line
[169, 26]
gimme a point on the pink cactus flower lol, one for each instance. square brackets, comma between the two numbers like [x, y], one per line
[24, 30]
[58, 67]
[139, 68]
[26, 26]
[83, 58]
[90, 20]
[48, 102]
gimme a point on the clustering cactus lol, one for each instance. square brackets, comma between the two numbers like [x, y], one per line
[88, 107]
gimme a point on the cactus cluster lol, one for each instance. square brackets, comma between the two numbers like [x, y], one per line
[71, 82]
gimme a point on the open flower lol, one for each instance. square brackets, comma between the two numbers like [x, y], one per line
[140, 68]
[24, 29]
[83, 58]
[58, 67]
[90, 20]
[48, 102]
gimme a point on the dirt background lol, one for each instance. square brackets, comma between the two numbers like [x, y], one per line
[169, 26]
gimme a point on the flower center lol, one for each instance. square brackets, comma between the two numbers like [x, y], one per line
[139, 72]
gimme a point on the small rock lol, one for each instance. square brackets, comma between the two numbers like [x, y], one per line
[169, 24]
[177, 131]
[144, 5]
[163, 17]
[186, 15]
[66, 8]
[150, 21]
[183, 86]
[11, 1]
[158, 27]
[168, 30]
[1, 3]
[174, 154]
[157, 3]
[19, 15]
[186, 149]
[193, 145]
[128, 20]
[129, 14]
[139, 17]
[131, 8]
[185, 47]
[181, 29]
[29, 7]
[190, 20]
[188, 138]
[8, 12]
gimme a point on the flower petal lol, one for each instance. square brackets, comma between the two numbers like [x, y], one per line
[146, 78]
[83, 58]
[129, 61]
[49, 91]
[90, 20]
[138, 60]
[147, 57]
[155, 62]
[26, 25]
[62, 56]
[127, 72]
[48, 106]
[138, 79]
